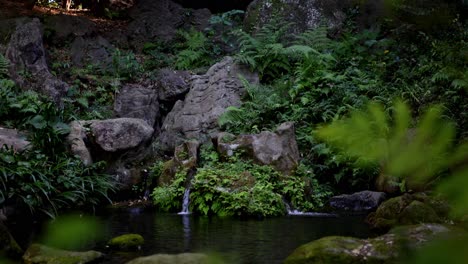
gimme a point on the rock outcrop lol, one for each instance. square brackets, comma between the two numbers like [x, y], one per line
[40, 254]
[278, 149]
[12, 138]
[64, 29]
[172, 85]
[158, 20]
[303, 14]
[91, 50]
[28, 62]
[196, 116]
[139, 102]
[358, 202]
[382, 249]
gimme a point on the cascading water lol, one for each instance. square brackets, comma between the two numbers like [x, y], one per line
[186, 201]
[186, 198]
[292, 211]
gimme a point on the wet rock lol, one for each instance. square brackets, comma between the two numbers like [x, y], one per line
[185, 159]
[12, 138]
[27, 56]
[358, 202]
[382, 249]
[196, 116]
[278, 149]
[40, 254]
[408, 209]
[184, 258]
[126, 242]
[136, 101]
[8, 245]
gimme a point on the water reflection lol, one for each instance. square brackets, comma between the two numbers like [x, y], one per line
[241, 241]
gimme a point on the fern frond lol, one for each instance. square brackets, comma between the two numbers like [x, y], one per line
[316, 39]
[4, 64]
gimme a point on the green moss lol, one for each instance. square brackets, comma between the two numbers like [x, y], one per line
[126, 242]
[331, 249]
[417, 212]
[40, 254]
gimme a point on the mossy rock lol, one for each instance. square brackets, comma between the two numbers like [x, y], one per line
[8, 245]
[417, 212]
[337, 249]
[40, 254]
[409, 209]
[126, 242]
[184, 258]
[383, 249]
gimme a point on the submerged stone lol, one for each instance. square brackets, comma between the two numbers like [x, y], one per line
[127, 242]
[41, 254]
[184, 258]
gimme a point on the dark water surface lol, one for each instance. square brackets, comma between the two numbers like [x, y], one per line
[241, 241]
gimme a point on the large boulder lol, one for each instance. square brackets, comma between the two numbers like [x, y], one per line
[196, 117]
[41, 254]
[159, 20]
[28, 65]
[382, 249]
[91, 50]
[62, 29]
[121, 133]
[358, 202]
[184, 258]
[278, 149]
[12, 138]
[409, 209]
[136, 101]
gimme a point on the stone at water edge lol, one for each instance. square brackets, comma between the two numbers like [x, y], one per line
[383, 249]
[126, 242]
[41, 254]
[184, 258]
[358, 202]
[8, 245]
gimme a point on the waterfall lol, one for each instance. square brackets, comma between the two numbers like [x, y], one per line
[292, 211]
[186, 199]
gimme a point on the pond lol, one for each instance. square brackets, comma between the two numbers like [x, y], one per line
[268, 240]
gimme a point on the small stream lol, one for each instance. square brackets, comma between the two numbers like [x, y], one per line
[269, 240]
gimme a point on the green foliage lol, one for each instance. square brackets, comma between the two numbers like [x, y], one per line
[45, 184]
[4, 64]
[194, 50]
[72, 232]
[169, 198]
[158, 56]
[417, 153]
[125, 65]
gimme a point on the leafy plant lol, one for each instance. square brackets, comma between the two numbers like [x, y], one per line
[194, 51]
[125, 65]
[4, 64]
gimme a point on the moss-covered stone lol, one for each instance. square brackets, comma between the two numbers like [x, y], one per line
[8, 245]
[185, 258]
[127, 242]
[417, 212]
[409, 209]
[40, 254]
[383, 249]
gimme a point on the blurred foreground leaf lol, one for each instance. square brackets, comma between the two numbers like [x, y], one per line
[72, 232]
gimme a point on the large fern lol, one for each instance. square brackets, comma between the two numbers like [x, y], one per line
[194, 52]
[316, 39]
[4, 64]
